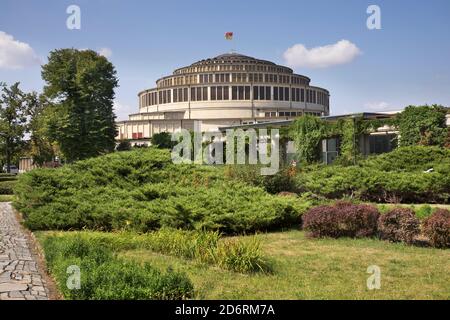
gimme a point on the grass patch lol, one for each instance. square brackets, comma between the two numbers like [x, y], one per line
[422, 210]
[104, 275]
[320, 269]
[6, 197]
[235, 254]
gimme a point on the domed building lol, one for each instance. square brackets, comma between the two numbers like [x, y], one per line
[228, 90]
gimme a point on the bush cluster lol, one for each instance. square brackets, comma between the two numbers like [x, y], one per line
[397, 176]
[399, 225]
[341, 219]
[344, 219]
[109, 277]
[7, 186]
[282, 181]
[143, 190]
[437, 228]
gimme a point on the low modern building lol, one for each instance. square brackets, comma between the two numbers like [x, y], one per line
[228, 90]
[380, 140]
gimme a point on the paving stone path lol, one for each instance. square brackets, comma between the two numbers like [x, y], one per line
[19, 275]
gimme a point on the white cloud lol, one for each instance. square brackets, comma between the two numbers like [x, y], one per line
[377, 106]
[321, 57]
[122, 110]
[15, 54]
[106, 52]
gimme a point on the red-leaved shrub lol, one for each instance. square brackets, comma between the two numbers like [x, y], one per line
[343, 219]
[399, 224]
[437, 228]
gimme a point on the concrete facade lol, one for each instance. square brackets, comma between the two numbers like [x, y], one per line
[228, 90]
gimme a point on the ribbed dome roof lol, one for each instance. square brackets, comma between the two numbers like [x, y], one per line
[232, 58]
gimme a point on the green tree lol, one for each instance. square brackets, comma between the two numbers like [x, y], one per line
[41, 149]
[13, 120]
[163, 140]
[422, 125]
[308, 131]
[80, 86]
[123, 145]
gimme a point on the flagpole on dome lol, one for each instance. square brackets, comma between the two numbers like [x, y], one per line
[229, 37]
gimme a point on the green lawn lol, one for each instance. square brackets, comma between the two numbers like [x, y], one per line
[6, 197]
[321, 269]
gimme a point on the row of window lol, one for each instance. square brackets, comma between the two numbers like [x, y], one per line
[240, 93]
[237, 93]
[261, 93]
[220, 93]
[290, 113]
[199, 94]
[281, 93]
[165, 96]
[232, 77]
[180, 95]
[234, 67]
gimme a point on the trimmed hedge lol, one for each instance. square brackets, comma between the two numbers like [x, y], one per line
[437, 228]
[341, 219]
[399, 224]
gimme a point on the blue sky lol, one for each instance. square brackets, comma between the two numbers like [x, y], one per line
[406, 62]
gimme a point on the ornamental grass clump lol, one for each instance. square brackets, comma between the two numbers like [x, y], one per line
[242, 256]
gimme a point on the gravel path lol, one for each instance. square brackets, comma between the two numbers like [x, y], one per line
[19, 275]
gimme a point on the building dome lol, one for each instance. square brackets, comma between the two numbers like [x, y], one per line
[231, 58]
[229, 89]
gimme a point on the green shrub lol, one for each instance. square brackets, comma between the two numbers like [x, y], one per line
[411, 158]
[104, 276]
[143, 191]
[163, 140]
[282, 181]
[423, 211]
[123, 145]
[399, 224]
[437, 228]
[382, 179]
[7, 187]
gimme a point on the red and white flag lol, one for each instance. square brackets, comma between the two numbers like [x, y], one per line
[229, 35]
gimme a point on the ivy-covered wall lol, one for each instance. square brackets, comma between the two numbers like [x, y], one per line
[423, 125]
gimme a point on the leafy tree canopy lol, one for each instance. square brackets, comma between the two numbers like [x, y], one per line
[13, 120]
[80, 88]
[423, 125]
